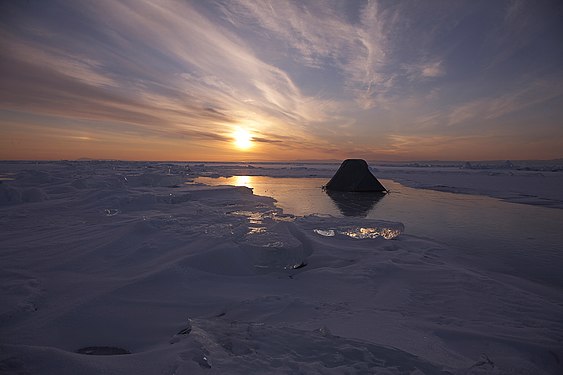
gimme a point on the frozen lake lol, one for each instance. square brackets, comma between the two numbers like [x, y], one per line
[516, 239]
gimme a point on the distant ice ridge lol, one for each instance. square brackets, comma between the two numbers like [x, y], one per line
[555, 165]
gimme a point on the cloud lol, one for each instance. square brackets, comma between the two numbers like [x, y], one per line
[474, 113]
[323, 37]
[424, 70]
[188, 72]
[432, 70]
[314, 30]
[76, 67]
[492, 108]
[523, 31]
[266, 140]
[317, 75]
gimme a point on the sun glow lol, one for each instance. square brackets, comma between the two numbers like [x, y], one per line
[242, 139]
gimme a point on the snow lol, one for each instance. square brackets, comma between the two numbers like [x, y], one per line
[113, 257]
[530, 187]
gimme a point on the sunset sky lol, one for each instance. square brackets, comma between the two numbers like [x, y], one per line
[281, 80]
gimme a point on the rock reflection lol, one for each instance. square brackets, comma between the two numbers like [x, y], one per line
[354, 203]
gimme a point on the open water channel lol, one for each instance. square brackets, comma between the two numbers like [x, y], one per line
[516, 239]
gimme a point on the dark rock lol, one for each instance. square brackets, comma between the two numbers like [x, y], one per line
[354, 175]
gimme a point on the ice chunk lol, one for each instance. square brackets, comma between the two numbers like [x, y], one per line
[111, 211]
[274, 248]
[256, 230]
[362, 232]
[381, 231]
[283, 217]
[253, 217]
[357, 228]
[323, 232]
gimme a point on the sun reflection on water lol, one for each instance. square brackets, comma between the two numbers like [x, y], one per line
[243, 181]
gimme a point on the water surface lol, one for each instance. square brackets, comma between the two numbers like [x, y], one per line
[518, 239]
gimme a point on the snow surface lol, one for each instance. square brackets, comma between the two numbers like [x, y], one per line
[108, 257]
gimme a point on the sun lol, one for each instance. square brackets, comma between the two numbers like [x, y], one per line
[242, 139]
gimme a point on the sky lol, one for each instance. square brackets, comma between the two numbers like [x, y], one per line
[281, 80]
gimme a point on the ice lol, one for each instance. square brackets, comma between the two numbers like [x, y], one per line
[266, 291]
[362, 232]
[256, 230]
[111, 211]
[326, 233]
[253, 217]
[356, 228]
[10, 195]
[274, 247]
[154, 179]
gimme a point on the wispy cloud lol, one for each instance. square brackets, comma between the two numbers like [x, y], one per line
[431, 70]
[323, 37]
[483, 109]
[424, 70]
[80, 68]
[330, 76]
[191, 73]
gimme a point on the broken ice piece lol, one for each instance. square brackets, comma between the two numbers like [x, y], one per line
[111, 211]
[323, 232]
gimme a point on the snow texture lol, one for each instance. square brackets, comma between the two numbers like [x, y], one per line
[114, 267]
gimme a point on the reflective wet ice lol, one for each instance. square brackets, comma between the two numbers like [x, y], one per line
[505, 237]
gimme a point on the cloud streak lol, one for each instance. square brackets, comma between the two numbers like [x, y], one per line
[322, 37]
[304, 77]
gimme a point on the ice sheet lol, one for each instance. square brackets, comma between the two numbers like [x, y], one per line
[190, 278]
